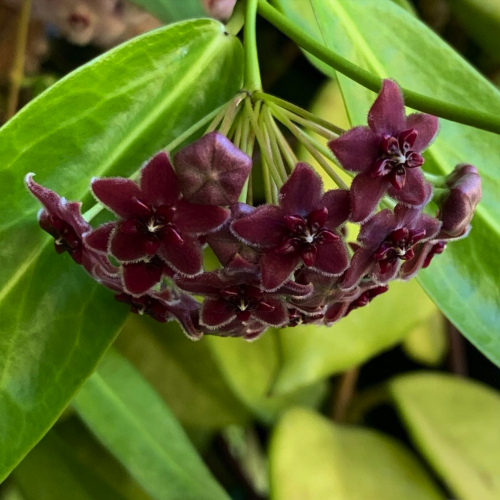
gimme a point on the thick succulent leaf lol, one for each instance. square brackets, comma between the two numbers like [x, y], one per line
[454, 424]
[170, 11]
[131, 420]
[311, 353]
[381, 37]
[310, 457]
[52, 472]
[251, 369]
[183, 372]
[104, 119]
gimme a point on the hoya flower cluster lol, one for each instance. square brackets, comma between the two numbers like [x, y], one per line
[281, 264]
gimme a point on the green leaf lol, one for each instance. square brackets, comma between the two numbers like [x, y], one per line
[51, 471]
[170, 11]
[388, 41]
[200, 396]
[251, 369]
[454, 423]
[427, 343]
[312, 458]
[312, 353]
[132, 421]
[104, 119]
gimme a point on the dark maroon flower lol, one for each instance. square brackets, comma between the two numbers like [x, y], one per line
[303, 229]
[235, 295]
[422, 258]
[212, 170]
[362, 296]
[225, 245]
[154, 220]
[386, 240]
[63, 220]
[160, 308]
[457, 208]
[296, 317]
[386, 153]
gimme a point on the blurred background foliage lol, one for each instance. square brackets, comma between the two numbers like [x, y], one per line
[390, 403]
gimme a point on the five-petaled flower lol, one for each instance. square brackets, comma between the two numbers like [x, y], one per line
[387, 153]
[386, 240]
[302, 229]
[154, 221]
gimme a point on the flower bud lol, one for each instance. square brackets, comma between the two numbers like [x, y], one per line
[458, 206]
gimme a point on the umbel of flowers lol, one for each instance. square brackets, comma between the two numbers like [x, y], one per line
[281, 264]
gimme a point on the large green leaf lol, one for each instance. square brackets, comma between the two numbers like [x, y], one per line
[388, 41]
[454, 423]
[184, 373]
[170, 11]
[251, 370]
[104, 119]
[312, 353]
[129, 417]
[313, 459]
[51, 472]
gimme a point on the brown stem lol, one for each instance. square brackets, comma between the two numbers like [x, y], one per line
[345, 392]
[457, 359]
[17, 71]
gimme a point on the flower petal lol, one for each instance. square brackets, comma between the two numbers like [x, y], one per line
[357, 149]
[427, 127]
[362, 263]
[199, 219]
[335, 312]
[186, 258]
[332, 259]
[375, 230]
[387, 114]
[128, 247]
[414, 192]
[159, 182]
[277, 268]
[264, 227]
[204, 284]
[366, 193]
[117, 194]
[139, 277]
[302, 192]
[383, 278]
[277, 317]
[338, 204]
[98, 239]
[215, 313]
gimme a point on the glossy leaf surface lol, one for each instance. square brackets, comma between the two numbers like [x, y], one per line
[104, 119]
[132, 421]
[382, 38]
[311, 458]
[454, 423]
[312, 353]
[170, 11]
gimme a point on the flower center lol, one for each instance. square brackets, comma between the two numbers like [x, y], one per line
[398, 245]
[244, 299]
[65, 238]
[396, 155]
[305, 234]
[155, 224]
[145, 306]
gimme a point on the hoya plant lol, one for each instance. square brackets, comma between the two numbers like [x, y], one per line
[236, 253]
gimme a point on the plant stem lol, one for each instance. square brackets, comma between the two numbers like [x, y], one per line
[231, 112]
[286, 150]
[17, 71]
[298, 111]
[252, 77]
[269, 122]
[305, 140]
[234, 25]
[459, 114]
[345, 392]
[327, 134]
